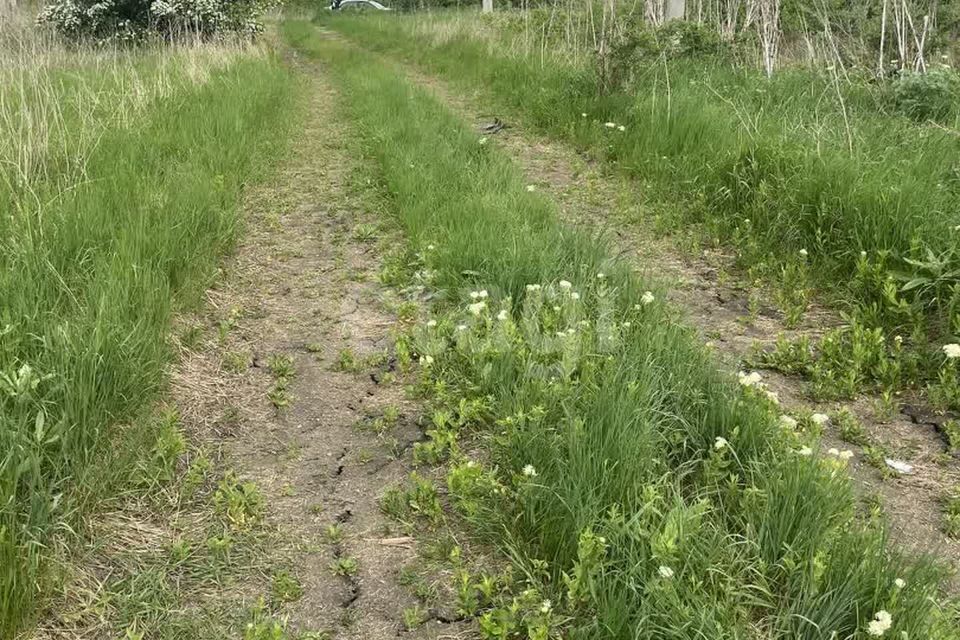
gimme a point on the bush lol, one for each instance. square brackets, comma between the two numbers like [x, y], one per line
[925, 96]
[639, 45]
[131, 20]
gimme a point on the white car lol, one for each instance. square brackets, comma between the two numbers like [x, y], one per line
[337, 5]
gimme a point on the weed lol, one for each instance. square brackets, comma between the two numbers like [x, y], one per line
[364, 232]
[413, 617]
[951, 429]
[333, 534]
[281, 366]
[849, 428]
[279, 397]
[393, 503]
[347, 361]
[240, 503]
[788, 356]
[236, 361]
[284, 588]
[951, 512]
[793, 289]
[345, 567]
[262, 626]
[408, 311]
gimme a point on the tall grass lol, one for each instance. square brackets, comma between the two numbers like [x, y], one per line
[802, 161]
[121, 172]
[632, 484]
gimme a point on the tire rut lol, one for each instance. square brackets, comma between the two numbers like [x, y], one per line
[303, 287]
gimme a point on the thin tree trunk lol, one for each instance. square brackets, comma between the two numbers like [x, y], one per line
[883, 37]
[675, 10]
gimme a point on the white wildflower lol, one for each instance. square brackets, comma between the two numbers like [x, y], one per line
[665, 572]
[546, 606]
[430, 247]
[531, 187]
[720, 443]
[819, 419]
[846, 454]
[565, 284]
[610, 125]
[805, 451]
[952, 350]
[483, 141]
[788, 422]
[583, 115]
[503, 315]
[833, 451]
[601, 276]
[899, 583]
[533, 287]
[773, 397]
[863, 254]
[477, 307]
[626, 325]
[556, 308]
[530, 471]
[574, 296]
[749, 379]
[803, 253]
[621, 128]
[474, 295]
[426, 360]
[483, 293]
[431, 323]
[571, 331]
[647, 298]
[461, 327]
[880, 624]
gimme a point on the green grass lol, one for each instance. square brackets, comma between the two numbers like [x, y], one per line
[769, 167]
[602, 476]
[111, 221]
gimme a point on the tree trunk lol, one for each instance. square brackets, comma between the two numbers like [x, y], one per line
[675, 10]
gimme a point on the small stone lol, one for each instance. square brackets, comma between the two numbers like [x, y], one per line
[899, 466]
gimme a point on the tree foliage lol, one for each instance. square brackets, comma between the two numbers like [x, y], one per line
[131, 20]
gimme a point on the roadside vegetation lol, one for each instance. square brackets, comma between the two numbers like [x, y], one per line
[635, 490]
[821, 179]
[120, 172]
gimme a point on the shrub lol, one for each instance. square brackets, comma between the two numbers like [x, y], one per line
[132, 20]
[638, 45]
[925, 96]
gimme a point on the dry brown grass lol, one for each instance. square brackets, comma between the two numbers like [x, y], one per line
[57, 101]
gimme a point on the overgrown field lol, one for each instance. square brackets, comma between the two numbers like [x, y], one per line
[822, 178]
[637, 491]
[119, 178]
[628, 487]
